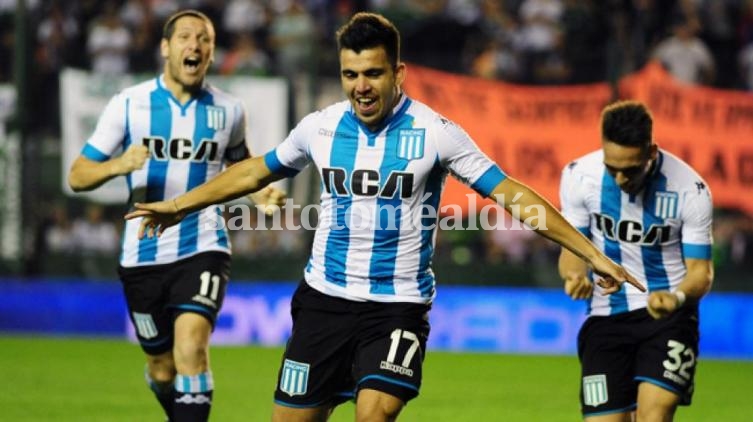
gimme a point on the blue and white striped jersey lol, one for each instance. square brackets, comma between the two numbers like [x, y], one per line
[380, 196]
[650, 234]
[187, 144]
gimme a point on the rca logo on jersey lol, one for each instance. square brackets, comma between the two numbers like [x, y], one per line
[182, 149]
[410, 144]
[631, 231]
[367, 183]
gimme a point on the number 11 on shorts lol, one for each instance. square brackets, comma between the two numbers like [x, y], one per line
[206, 279]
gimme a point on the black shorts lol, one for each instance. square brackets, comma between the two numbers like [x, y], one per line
[620, 351]
[157, 294]
[339, 346]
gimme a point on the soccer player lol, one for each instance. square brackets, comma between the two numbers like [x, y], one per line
[651, 212]
[176, 131]
[360, 316]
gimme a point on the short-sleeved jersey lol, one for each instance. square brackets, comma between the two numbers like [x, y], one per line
[188, 144]
[380, 196]
[650, 233]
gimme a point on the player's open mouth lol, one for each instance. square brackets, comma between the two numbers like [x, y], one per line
[191, 64]
[366, 105]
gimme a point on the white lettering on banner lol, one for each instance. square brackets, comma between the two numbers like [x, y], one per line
[508, 325]
[253, 320]
[486, 326]
[501, 327]
[559, 325]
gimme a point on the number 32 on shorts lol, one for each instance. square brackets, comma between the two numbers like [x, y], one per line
[680, 360]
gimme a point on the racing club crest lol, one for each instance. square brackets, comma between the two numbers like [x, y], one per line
[410, 144]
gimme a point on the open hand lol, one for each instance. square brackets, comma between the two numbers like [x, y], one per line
[270, 199]
[157, 216]
[613, 276]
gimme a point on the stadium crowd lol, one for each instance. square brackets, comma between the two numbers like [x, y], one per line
[708, 42]
[524, 41]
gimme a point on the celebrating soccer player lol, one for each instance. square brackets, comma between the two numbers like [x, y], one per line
[360, 316]
[650, 211]
[176, 131]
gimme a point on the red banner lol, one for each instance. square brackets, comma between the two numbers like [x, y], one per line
[532, 132]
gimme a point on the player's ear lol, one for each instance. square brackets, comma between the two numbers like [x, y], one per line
[654, 151]
[400, 73]
[164, 48]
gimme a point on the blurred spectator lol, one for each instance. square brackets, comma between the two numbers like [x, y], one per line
[245, 58]
[58, 231]
[745, 60]
[109, 42]
[7, 34]
[140, 20]
[164, 8]
[583, 24]
[56, 36]
[244, 16]
[293, 36]
[719, 22]
[685, 55]
[93, 235]
[500, 40]
[484, 64]
[542, 41]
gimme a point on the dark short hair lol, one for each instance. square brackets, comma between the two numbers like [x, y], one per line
[169, 28]
[627, 123]
[370, 30]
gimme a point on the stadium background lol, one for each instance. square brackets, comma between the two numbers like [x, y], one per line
[505, 295]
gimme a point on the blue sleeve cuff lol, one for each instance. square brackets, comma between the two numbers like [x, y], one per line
[696, 251]
[94, 154]
[275, 166]
[485, 184]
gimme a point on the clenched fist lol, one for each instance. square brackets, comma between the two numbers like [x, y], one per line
[578, 286]
[663, 303]
[132, 159]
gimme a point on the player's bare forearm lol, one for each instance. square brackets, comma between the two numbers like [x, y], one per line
[527, 205]
[698, 279]
[240, 179]
[86, 174]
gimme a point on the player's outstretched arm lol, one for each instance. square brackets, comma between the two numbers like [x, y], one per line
[243, 178]
[86, 174]
[524, 204]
